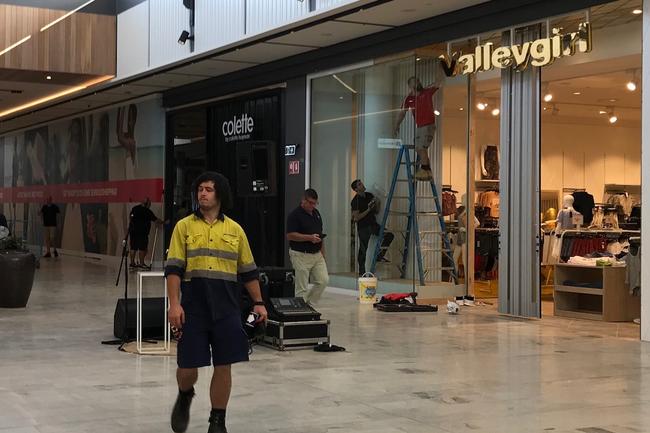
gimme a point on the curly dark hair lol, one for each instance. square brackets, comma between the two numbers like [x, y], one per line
[221, 186]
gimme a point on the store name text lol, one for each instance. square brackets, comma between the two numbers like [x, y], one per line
[541, 52]
[238, 129]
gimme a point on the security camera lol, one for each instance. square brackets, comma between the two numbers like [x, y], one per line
[185, 36]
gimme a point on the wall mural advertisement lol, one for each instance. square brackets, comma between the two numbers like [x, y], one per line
[95, 167]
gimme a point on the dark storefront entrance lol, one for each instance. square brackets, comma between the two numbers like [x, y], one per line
[242, 139]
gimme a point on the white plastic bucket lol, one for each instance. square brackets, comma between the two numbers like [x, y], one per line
[367, 284]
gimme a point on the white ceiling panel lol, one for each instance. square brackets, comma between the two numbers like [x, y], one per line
[328, 33]
[400, 12]
[265, 52]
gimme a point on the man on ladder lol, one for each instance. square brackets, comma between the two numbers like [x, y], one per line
[419, 102]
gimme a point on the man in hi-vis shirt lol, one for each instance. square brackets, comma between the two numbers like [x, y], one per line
[208, 258]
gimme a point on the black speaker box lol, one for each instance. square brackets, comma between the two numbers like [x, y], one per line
[154, 317]
[277, 282]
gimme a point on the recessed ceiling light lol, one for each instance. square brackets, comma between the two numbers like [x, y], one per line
[461, 109]
[340, 97]
[602, 112]
[417, 59]
[637, 11]
[577, 93]
[436, 112]
[496, 112]
[613, 100]
[48, 77]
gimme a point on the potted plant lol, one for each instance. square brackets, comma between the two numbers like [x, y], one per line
[17, 267]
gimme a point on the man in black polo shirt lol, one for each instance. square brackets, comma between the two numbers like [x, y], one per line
[306, 250]
[364, 208]
[49, 212]
[141, 219]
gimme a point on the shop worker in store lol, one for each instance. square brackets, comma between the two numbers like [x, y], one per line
[306, 247]
[419, 102]
[364, 208]
[209, 256]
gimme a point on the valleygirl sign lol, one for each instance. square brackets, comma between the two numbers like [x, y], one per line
[541, 52]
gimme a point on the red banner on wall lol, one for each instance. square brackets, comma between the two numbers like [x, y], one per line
[121, 191]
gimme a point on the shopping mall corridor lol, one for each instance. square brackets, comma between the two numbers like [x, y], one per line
[415, 373]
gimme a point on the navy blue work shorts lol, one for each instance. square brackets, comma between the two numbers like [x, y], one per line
[223, 340]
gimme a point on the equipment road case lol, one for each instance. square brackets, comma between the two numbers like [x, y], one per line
[296, 335]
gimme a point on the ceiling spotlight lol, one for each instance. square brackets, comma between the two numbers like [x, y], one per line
[417, 59]
[436, 112]
[548, 96]
[496, 112]
[633, 83]
[48, 77]
[461, 109]
[184, 37]
[613, 118]
[602, 112]
[637, 11]
[577, 93]
[482, 106]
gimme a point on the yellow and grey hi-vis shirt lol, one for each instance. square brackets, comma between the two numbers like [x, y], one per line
[211, 260]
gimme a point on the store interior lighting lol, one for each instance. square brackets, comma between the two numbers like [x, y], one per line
[633, 83]
[637, 11]
[548, 96]
[496, 112]
[612, 117]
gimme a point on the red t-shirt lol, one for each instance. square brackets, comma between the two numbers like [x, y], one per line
[421, 106]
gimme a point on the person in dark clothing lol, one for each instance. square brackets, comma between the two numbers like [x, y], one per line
[3, 220]
[306, 248]
[364, 208]
[49, 212]
[584, 203]
[140, 225]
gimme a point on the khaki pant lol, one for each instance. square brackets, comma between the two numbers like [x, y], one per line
[307, 265]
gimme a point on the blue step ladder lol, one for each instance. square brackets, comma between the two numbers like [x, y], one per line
[412, 226]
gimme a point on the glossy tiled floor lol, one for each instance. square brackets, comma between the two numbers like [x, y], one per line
[419, 373]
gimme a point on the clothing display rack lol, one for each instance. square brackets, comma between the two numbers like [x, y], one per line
[412, 226]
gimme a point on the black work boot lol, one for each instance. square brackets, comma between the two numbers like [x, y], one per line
[217, 423]
[181, 411]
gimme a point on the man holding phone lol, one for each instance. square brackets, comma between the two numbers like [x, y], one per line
[306, 248]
